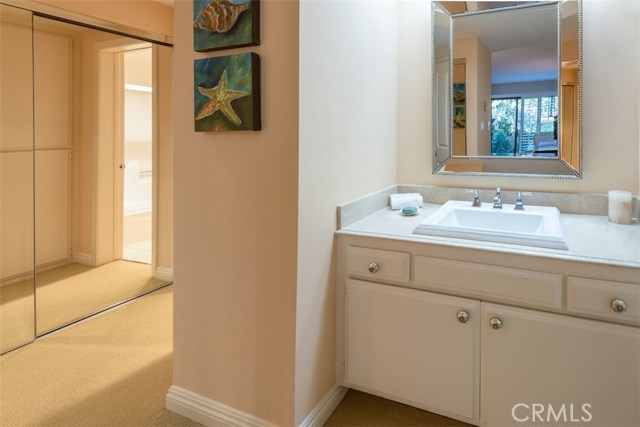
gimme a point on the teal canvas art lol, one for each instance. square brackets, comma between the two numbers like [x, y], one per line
[221, 24]
[227, 93]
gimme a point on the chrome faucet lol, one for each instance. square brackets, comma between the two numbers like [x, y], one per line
[519, 205]
[497, 200]
[476, 198]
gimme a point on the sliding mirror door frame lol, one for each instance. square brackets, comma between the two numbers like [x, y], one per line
[17, 251]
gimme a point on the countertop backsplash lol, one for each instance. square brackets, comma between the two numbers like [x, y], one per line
[569, 203]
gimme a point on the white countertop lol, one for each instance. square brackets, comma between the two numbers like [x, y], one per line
[590, 238]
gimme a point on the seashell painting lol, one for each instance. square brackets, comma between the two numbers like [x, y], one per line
[221, 24]
[220, 16]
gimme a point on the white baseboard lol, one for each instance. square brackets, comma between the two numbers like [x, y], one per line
[323, 410]
[82, 258]
[209, 412]
[163, 273]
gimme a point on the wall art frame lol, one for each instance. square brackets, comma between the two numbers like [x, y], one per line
[227, 93]
[224, 24]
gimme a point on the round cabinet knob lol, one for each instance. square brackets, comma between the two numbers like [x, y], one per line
[618, 305]
[463, 316]
[495, 322]
[373, 267]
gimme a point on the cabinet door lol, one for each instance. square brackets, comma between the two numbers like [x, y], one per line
[408, 345]
[547, 369]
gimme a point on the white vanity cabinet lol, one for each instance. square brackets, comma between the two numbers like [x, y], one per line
[418, 347]
[548, 369]
[543, 342]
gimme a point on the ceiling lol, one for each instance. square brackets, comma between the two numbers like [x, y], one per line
[523, 42]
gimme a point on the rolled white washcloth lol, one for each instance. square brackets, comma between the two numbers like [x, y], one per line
[399, 201]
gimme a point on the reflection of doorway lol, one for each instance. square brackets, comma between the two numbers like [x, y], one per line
[459, 113]
[441, 81]
[62, 149]
[125, 160]
[137, 155]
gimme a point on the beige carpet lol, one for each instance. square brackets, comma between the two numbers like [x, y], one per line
[361, 409]
[74, 291]
[17, 315]
[113, 370]
[66, 294]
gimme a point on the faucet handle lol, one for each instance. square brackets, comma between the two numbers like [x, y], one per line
[476, 198]
[497, 199]
[519, 205]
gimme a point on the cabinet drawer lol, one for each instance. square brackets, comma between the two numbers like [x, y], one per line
[595, 297]
[379, 264]
[505, 284]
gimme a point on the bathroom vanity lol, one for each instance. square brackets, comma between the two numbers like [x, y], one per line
[489, 333]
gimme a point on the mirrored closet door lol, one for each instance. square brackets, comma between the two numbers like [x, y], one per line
[16, 180]
[81, 226]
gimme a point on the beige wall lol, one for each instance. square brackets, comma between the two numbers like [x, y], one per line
[483, 99]
[164, 159]
[348, 107]
[611, 67]
[83, 151]
[467, 49]
[220, 265]
[148, 15]
[236, 210]
[477, 78]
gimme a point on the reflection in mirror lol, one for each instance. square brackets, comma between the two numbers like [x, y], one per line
[16, 180]
[570, 86]
[513, 110]
[441, 83]
[459, 98]
[512, 58]
[80, 231]
[94, 244]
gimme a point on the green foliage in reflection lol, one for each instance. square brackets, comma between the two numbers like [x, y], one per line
[503, 136]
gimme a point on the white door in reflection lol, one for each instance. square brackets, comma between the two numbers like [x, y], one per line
[137, 155]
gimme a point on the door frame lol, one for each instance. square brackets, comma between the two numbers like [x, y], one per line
[108, 175]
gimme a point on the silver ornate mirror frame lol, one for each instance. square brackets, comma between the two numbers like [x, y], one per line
[567, 165]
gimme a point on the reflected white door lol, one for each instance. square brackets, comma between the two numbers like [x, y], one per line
[137, 156]
[442, 84]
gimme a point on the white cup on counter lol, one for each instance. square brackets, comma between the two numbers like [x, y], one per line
[620, 207]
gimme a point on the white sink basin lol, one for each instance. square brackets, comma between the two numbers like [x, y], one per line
[535, 226]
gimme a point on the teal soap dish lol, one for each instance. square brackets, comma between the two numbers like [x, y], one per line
[409, 211]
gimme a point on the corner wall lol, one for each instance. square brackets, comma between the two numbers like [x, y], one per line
[348, 133]
[610, 127]
[235, 231]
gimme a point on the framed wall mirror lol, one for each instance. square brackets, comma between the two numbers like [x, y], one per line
[507, 88]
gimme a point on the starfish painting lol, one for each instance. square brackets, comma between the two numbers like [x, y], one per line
[226, 93]
[220, 98]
